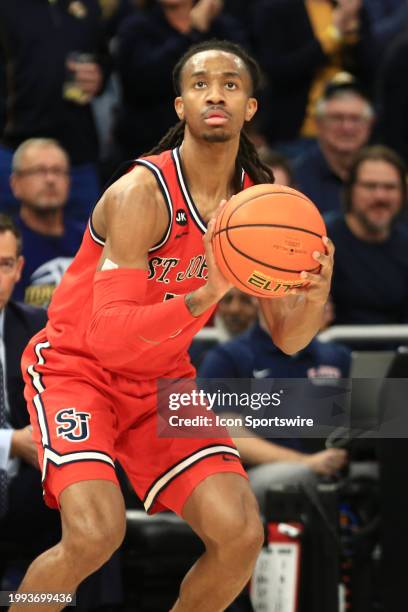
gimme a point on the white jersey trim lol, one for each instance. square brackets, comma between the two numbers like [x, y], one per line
[58, 460]
[182, 466]
[49, 453]
[167, 198]
[187, 197]
[94, 235]
[38, 386]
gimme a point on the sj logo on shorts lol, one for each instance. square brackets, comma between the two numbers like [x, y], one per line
[73, 425]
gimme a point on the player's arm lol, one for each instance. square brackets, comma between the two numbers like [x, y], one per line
[293, 321]
[134, 219]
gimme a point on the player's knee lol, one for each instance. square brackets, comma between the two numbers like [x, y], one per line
[240, 535]
[92, 539]
[249, 540]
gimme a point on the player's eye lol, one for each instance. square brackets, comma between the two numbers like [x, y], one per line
[231, 85]
[199, 84]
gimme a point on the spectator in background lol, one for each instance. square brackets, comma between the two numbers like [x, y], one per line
[392, 128]
[254, 355]
[236, 311]
[344, 119]
[149, 43]
[40, 183]
[55, 58]
[18, 456]
[301, 44]
[370, 278]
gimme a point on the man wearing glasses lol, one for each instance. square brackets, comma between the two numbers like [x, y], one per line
[40, 180]
[344, 119]
[370, 278]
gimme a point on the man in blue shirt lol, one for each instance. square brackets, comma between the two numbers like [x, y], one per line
[253, 355]
[344, 118]
[370, 278]
[40, 181]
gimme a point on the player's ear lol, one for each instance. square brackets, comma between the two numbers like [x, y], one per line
[252, 107]
[179, 106]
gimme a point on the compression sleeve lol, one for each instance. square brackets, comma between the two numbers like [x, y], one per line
[121, 323]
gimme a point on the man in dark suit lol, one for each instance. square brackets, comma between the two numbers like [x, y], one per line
[18, 456]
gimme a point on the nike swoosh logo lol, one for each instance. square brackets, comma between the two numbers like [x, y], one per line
[261, 373]
[230, 458]
[180, 235]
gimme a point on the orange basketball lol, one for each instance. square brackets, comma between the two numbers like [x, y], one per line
[265, 236]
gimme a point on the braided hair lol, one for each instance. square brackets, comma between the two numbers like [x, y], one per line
[247, 157]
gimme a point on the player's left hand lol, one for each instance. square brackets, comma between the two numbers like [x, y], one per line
[318, 287]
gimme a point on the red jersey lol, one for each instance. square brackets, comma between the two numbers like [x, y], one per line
[177, 266]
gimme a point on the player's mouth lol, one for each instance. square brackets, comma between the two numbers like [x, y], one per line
[216, 117]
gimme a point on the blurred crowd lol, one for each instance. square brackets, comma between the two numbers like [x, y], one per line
[86, 85]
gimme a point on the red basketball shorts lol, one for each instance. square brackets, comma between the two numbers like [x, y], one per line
[85, 417]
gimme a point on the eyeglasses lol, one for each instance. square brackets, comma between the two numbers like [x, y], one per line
[42, 171]
[7, 265]
[373, 185]
[339, 118]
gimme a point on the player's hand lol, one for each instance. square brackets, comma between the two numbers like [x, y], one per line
[318, 287]
[204, 12]
[327, 462]
[22, 446]
[216, 285]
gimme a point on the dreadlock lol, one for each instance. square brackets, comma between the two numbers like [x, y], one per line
[247, 158]
[173, 138]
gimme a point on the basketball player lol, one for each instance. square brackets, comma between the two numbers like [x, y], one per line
[91, 375]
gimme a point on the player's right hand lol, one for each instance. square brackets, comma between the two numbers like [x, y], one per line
[217, 285]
